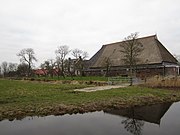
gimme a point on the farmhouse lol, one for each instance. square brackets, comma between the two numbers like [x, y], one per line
[155, 59]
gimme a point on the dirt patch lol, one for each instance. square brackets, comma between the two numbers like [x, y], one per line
[99, 88]
[95, 83]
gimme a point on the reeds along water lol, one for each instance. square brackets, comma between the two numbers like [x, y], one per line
[159, 81]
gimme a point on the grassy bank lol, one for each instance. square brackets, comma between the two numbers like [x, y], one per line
[25, 98]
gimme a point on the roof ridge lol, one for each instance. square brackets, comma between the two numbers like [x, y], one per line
[164, 48]
[155, 36]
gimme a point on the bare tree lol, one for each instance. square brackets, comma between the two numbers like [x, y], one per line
[12, 67]
[131, 48]
[4, 66]
[76, 53]
[49, 65]
[107, 64]
[22, 69]
[79, 53]
[80, 56]
[44, 66]
[61, 53]
[58, 65]
[27, 55]
[85, 55]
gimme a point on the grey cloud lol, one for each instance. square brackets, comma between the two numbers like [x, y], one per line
[45, 24]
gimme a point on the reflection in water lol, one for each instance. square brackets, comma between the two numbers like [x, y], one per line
[134, 126]
[137, 115]
[147, 120]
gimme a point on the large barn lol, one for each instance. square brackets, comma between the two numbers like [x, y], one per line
[155, 59]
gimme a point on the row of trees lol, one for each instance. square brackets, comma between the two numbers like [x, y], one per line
[7, 68]
[13, 69]
[131, 49]
[61, 64]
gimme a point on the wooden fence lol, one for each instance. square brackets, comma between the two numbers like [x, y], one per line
[118, 80]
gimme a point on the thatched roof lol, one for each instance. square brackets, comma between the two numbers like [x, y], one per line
[153, 52]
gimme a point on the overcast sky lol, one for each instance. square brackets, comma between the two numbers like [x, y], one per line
[85, 24]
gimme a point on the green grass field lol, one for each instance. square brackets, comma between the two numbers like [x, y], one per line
[21, 98]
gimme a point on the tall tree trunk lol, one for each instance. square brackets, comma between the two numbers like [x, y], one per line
[131, 76]
[58, 70]
[29, 69]
[62, 67]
